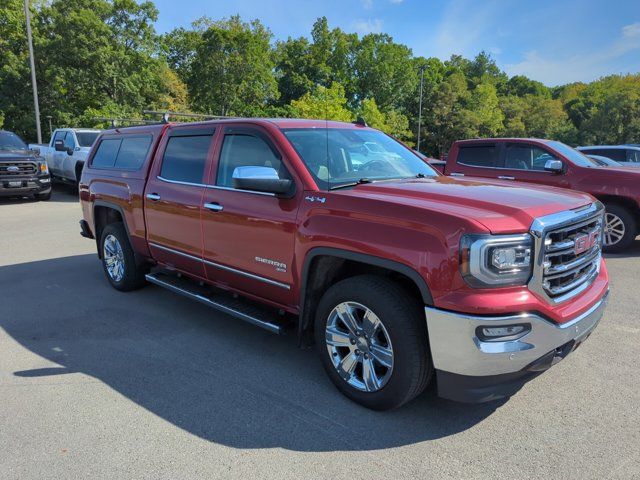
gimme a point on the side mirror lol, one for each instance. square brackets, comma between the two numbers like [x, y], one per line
[260, 179]
[69, 151]
[58, 145]
[554, 166]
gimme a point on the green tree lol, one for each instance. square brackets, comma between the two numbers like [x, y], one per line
[485, 112]
[323, 103]
[232, 72]
[393, 122]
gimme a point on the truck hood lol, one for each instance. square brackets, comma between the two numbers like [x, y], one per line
[16, 155]
[500, 206]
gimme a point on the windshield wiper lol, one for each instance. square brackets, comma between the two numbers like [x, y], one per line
[351, 184]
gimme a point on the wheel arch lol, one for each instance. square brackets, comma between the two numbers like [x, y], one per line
[323, 266]
[105, 213]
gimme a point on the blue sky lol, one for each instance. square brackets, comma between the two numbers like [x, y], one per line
[555, 42]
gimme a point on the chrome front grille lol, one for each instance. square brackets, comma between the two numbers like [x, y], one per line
[14, 169]
[569, 252]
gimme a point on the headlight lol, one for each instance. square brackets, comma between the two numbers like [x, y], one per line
[43, 168]
[496, 260]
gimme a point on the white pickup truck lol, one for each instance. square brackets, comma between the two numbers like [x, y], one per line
[67, 151]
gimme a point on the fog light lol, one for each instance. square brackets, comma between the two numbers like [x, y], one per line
[503, 332]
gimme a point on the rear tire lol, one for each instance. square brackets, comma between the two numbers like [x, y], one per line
[620, 228]
[118, 260]
[383, 370]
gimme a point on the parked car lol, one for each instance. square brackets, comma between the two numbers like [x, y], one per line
[604, 161]
[22, 172]
[553, 163]
[396, 271]
[627, 155]
[67, 151]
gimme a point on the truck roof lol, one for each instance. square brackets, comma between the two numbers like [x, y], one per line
[505, 139]
[283, 123]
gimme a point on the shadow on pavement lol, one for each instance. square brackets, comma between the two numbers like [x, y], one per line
[206, 373]
[632, 252]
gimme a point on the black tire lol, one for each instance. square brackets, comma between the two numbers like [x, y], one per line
[133, 276]
[43, 197]
[630, 228]
[403, 318]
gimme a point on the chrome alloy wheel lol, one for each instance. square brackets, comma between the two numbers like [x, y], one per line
[113, 258]
[359, 346]
[614, 229]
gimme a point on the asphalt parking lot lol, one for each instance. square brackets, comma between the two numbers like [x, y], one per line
[100, 384]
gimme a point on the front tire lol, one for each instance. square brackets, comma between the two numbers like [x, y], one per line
[118, 260]
[620, 228]
[372, 339]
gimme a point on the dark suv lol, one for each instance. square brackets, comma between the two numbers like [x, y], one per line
[23, 173]
[627, 155]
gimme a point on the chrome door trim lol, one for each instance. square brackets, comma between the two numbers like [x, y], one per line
[230, 189]
[506, 177]
[179, 182]
[223, 267]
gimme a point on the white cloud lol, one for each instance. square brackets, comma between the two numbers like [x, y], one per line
[371, 25]
[583, 67]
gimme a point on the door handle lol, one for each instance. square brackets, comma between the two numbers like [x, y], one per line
[457, 174]
[214, 207]
[153, 196]
[506, 177]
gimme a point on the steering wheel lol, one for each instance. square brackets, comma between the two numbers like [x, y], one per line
[372, 165]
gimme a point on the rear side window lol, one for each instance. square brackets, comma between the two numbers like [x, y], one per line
[185, 158]
[478, 155]
[617, 154]
[132, 152]
[633, 156]
[126, 153]
[106, 154]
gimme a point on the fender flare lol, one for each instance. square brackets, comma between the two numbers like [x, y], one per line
[387, 264]
[113, 206]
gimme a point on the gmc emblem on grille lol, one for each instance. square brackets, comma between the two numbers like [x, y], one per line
[585, 241]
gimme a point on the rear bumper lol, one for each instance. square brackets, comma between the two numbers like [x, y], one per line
[472, 370]
[28, 186]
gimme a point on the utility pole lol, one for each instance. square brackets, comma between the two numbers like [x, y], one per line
[33, 70]
[420, 107]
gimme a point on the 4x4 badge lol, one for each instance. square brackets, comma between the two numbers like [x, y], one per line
[316, 199]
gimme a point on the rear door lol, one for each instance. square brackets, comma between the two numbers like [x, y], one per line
[476, 160]
[173, 196]
[248, 235]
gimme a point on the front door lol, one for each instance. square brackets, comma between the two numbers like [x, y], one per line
[173, 197]
[249, 236]
[56, 166]
[525, 162]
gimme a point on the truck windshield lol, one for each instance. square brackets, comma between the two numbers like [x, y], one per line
[573, 155]
[11, 141]
[338, 157]
[86, 139]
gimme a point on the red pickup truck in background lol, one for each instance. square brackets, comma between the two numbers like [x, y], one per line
[553, 163]
[395, 271]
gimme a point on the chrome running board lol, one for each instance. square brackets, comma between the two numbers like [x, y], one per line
[223, 302]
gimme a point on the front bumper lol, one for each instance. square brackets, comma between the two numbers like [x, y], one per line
[472, 370]
[28, 186]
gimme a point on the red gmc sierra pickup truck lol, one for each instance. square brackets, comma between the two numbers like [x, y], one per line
[398, 274]
[553, 163]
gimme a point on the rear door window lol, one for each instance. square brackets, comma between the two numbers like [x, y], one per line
[185, 158]
[633, 156]
[478, 155]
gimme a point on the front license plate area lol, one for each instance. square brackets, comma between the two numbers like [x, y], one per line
[14, 184]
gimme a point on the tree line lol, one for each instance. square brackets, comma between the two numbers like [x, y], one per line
[103, 58]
